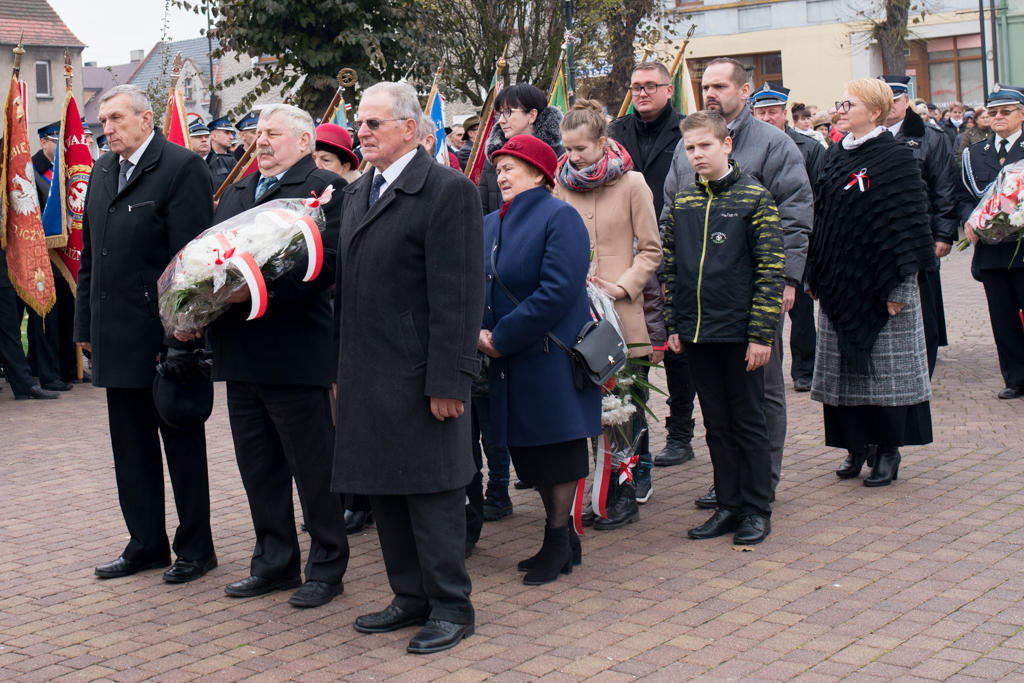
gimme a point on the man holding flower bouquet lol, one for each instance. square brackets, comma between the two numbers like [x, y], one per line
[278, 373]
[999, 267]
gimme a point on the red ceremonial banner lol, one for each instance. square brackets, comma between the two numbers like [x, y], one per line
[21, 234]
[176, 127]
[75, 167]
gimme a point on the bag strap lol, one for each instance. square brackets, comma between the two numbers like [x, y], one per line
[494, 272]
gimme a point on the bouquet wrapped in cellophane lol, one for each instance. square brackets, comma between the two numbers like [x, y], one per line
[999, 216]
[245, 251]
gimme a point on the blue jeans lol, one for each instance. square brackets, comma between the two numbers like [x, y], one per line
[498, 459]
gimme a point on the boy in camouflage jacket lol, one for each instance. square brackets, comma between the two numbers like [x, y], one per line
[724, 276]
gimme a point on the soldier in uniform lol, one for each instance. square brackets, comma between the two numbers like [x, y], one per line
[247, 132]
[934, 157]
[770, 106]
[994, 265]
[221, 159]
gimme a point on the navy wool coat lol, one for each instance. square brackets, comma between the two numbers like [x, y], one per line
[543, 254]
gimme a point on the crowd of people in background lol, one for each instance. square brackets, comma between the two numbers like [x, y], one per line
[704, 230]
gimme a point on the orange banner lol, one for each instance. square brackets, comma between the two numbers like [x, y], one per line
[21, 234]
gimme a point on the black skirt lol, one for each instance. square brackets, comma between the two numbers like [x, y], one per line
[552, 463]
[855, 427]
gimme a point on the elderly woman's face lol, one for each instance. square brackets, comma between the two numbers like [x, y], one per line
[515, 176]
[859, 120]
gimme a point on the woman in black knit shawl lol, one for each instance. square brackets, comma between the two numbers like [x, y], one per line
[871, 237]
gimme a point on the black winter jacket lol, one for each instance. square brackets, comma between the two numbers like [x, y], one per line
[655, 166]
[934, 157]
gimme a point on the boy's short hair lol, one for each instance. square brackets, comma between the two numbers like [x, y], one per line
[708, 120]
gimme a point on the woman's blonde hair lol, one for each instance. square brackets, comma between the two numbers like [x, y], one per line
[874, 93]
[587, 114]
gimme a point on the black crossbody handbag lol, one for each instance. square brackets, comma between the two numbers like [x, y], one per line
[599, 351]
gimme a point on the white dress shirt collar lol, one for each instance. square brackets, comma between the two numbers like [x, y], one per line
[1009, 141]
[895, 128]
[395, 169]
[137, 154]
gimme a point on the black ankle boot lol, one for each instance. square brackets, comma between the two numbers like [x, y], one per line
[887, 467]
[554, 558]
[623, 511]
[854, 462]
[574, 544]
[590, 515]
[497, 504]
[678, 448]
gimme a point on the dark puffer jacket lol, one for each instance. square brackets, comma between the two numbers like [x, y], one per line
[724, 262]
[545, 129]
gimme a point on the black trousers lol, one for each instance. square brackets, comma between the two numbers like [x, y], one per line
[933, 314]
[1004, 289]
[681, 391]
[12, 353]
[803, 336]
[280, 432]
[135, 433]
[423, 541]
[732, 403]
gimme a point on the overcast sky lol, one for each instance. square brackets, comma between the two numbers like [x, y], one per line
[113, 28]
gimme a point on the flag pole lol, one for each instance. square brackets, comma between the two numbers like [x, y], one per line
[435, 86]
[485, 114]
[175, 75]
[558, 69]
[651, 39]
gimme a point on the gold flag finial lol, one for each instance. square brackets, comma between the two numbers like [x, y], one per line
[347, 78]
[18, 52]
[176, 71]
[69, 71]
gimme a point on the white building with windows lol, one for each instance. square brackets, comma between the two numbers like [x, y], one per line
[812, 47]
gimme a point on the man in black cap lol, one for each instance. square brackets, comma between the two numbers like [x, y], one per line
[220, 165]
[932, 150]
[995, 265]
[770, 106]
[222, 136]
[471, 127]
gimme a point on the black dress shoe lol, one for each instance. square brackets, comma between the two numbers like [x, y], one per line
[124, 567]
[437, 636]
[521, 485]
[37, 392]
[183, 571]
[709, 501]
[752, 530]
[721, 523]
[315, 594]
[57, 385]
[802, 384]
[257, 585]
[676, 452]
[389, 619]
[357, 520]
[1009, 393]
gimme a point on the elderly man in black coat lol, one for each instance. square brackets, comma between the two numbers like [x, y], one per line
[278, 373]
[408, 305]
[145, 202]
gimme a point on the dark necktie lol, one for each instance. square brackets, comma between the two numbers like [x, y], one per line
[1002, 152]
[264, 185]
[378, 181]
[122, 177]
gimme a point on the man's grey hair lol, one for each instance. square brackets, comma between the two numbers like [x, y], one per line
[137, 99]
[405, 104]
[426, 127]
[297, 120]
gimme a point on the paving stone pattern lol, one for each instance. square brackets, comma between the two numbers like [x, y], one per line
[919, 581]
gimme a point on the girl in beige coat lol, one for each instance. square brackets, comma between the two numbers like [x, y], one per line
[595, 178]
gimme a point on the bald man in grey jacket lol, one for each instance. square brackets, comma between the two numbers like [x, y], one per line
[770, 156]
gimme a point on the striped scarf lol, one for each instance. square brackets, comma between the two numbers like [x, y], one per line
[612, 166]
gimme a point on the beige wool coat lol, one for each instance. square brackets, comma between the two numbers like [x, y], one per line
[618, 215]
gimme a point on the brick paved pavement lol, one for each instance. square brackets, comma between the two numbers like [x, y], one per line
[918, 581]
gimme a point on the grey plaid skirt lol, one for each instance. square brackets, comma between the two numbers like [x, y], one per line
[899, 358]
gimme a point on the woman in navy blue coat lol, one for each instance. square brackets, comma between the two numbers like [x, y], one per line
[541, 250]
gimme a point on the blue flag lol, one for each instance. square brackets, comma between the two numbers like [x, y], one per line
[437, 115]
[53, 214]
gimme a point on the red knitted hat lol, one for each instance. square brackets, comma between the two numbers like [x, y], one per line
[533, 151]
[338, 140]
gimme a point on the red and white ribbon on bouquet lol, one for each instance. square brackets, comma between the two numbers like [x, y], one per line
[626, 469]
[246, 265]
[314, 243]
[577, 506]
[602, 475]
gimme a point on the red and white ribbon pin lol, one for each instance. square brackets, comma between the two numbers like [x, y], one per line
[859, 178]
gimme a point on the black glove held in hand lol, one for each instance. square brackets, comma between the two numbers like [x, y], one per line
[176, 365]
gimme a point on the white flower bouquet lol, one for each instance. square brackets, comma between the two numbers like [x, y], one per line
[246, 250]
[999, 216]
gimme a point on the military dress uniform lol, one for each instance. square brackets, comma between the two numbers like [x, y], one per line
[934, 156]
[994, 265]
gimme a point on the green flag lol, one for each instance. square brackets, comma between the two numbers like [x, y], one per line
[682, 92]
[559, 98]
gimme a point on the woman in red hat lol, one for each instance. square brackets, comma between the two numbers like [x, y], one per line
[537, 257]
[334, 152]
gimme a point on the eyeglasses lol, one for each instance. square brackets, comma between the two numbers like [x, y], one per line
[373, 124]
[649, 88]
[507, 113]
[845, 106]
[1005, 112]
